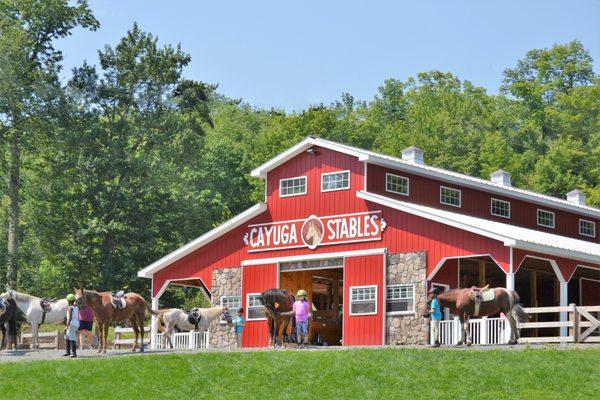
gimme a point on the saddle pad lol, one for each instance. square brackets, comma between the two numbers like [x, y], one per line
[488, 295]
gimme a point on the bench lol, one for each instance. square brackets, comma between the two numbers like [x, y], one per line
[46, 340]
[119, 341]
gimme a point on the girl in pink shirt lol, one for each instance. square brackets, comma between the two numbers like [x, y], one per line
[301, 310]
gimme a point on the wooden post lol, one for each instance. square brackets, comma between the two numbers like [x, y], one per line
[533, 297]
[575, 318]
[481, 273]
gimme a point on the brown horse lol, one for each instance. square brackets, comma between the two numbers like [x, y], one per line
[463, 303]
[276, 302]
[105, 313]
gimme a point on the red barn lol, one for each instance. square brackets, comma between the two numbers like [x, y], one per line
[367, 234]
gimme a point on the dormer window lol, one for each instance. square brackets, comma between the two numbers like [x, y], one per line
[292, 186]
[396, 184]
[545, 218]
[500, 208]
[449, 196]
[335, 181]
[587, 228]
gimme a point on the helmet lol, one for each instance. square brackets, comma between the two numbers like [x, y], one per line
[70, 297]
[301, 292]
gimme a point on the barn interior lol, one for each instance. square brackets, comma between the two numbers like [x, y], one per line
[325, 292]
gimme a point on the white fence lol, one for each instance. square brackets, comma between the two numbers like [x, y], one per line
[483, 331]
[183, 340]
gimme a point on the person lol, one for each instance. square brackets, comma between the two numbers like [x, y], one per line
[72, 327]
[435, 312]
[301, 309]
[239, 327]
[86, 322]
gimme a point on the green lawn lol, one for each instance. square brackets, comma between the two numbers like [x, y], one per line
[361, 374]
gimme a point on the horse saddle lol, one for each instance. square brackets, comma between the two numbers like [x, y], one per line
[480, 295]
[46, 304]
[194, 320]
[118, 299]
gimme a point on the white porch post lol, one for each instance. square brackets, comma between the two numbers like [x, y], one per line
[510, 281]
[564, 287]
[153, 321]
[457, 330]
[483, 331]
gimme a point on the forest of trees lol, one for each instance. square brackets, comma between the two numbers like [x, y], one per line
[127, 160]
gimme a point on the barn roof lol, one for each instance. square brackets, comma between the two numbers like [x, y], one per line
[200, 241]
[510, 235]
[424, 170]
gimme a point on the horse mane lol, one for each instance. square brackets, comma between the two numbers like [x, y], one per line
[24, 297]
[271, 296]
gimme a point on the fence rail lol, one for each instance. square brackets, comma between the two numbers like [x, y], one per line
[578, 324]
[183, 340]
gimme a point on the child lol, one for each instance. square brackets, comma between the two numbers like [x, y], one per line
[301, 310]
[239, 326]
[72, 327]
[435, 313]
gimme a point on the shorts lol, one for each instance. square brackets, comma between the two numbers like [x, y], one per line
[302, 328]
[86, 325]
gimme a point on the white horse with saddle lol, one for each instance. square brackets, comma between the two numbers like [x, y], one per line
[197, 319]
[39, 311]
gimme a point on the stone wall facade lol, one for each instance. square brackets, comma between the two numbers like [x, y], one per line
[408, 329]
[225, 282]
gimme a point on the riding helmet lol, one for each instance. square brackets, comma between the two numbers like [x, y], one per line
[301, 292]
[70, 297]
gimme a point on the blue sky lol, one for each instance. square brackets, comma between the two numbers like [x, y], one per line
[288, 55]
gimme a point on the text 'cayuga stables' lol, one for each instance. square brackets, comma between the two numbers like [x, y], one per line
[315, 231]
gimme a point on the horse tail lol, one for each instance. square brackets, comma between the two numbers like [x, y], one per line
[517, 310]
[153, 312]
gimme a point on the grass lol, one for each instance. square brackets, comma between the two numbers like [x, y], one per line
[361, 373]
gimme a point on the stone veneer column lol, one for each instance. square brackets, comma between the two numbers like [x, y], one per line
[408, 268]
[225, 282]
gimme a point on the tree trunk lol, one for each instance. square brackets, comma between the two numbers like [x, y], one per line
[14, 184]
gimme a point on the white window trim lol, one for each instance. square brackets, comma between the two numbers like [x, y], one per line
[350, 300]
[537, 218]
[492, 208]
[593, 225]
[248, 308]
[333, 173]
[401, 312]
[221, 322]
[397, 176]
[459, 196]
[294, 194]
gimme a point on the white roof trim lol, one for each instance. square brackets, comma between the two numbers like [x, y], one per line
[510, 235]
[425, 170]
[202, 240]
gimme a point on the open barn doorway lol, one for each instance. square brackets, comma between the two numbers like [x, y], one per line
[323, 280]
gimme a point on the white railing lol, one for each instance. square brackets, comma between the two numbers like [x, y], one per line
[183, 341]
[483, 331]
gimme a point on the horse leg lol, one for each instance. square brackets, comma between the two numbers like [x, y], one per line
[514, 335]
[106, 326]
[467, 331]
[168, 331]
[2, 344]
[99, 329]
[34, 335]
[136, 332]
[141, 327]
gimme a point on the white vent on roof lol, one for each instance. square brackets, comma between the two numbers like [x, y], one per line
[501, 177]
[576, 197]
[413, 154]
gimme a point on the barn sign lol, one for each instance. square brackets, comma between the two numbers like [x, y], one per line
[315, 231]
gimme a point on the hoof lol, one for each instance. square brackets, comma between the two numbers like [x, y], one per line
[459, 343]
[469, 343]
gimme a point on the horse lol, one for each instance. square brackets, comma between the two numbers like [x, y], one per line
[313, 234]
[276, 302]
[8, 323]
[198, 319]
[463, 302]
[39, 311]
[105, 313]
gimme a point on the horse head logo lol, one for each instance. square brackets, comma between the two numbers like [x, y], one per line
[312, 232]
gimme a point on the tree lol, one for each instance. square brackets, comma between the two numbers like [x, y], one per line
[29, 83]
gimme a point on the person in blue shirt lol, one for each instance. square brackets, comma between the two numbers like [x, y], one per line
[435, 313]
[239, 326]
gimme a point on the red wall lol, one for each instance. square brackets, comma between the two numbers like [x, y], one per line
[404, 232]
[257, 279]
[590, 292]
[363, 330]
[426, 191]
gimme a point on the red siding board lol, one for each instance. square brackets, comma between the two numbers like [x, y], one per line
[425, 191]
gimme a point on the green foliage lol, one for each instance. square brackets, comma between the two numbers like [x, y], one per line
[136, 160]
